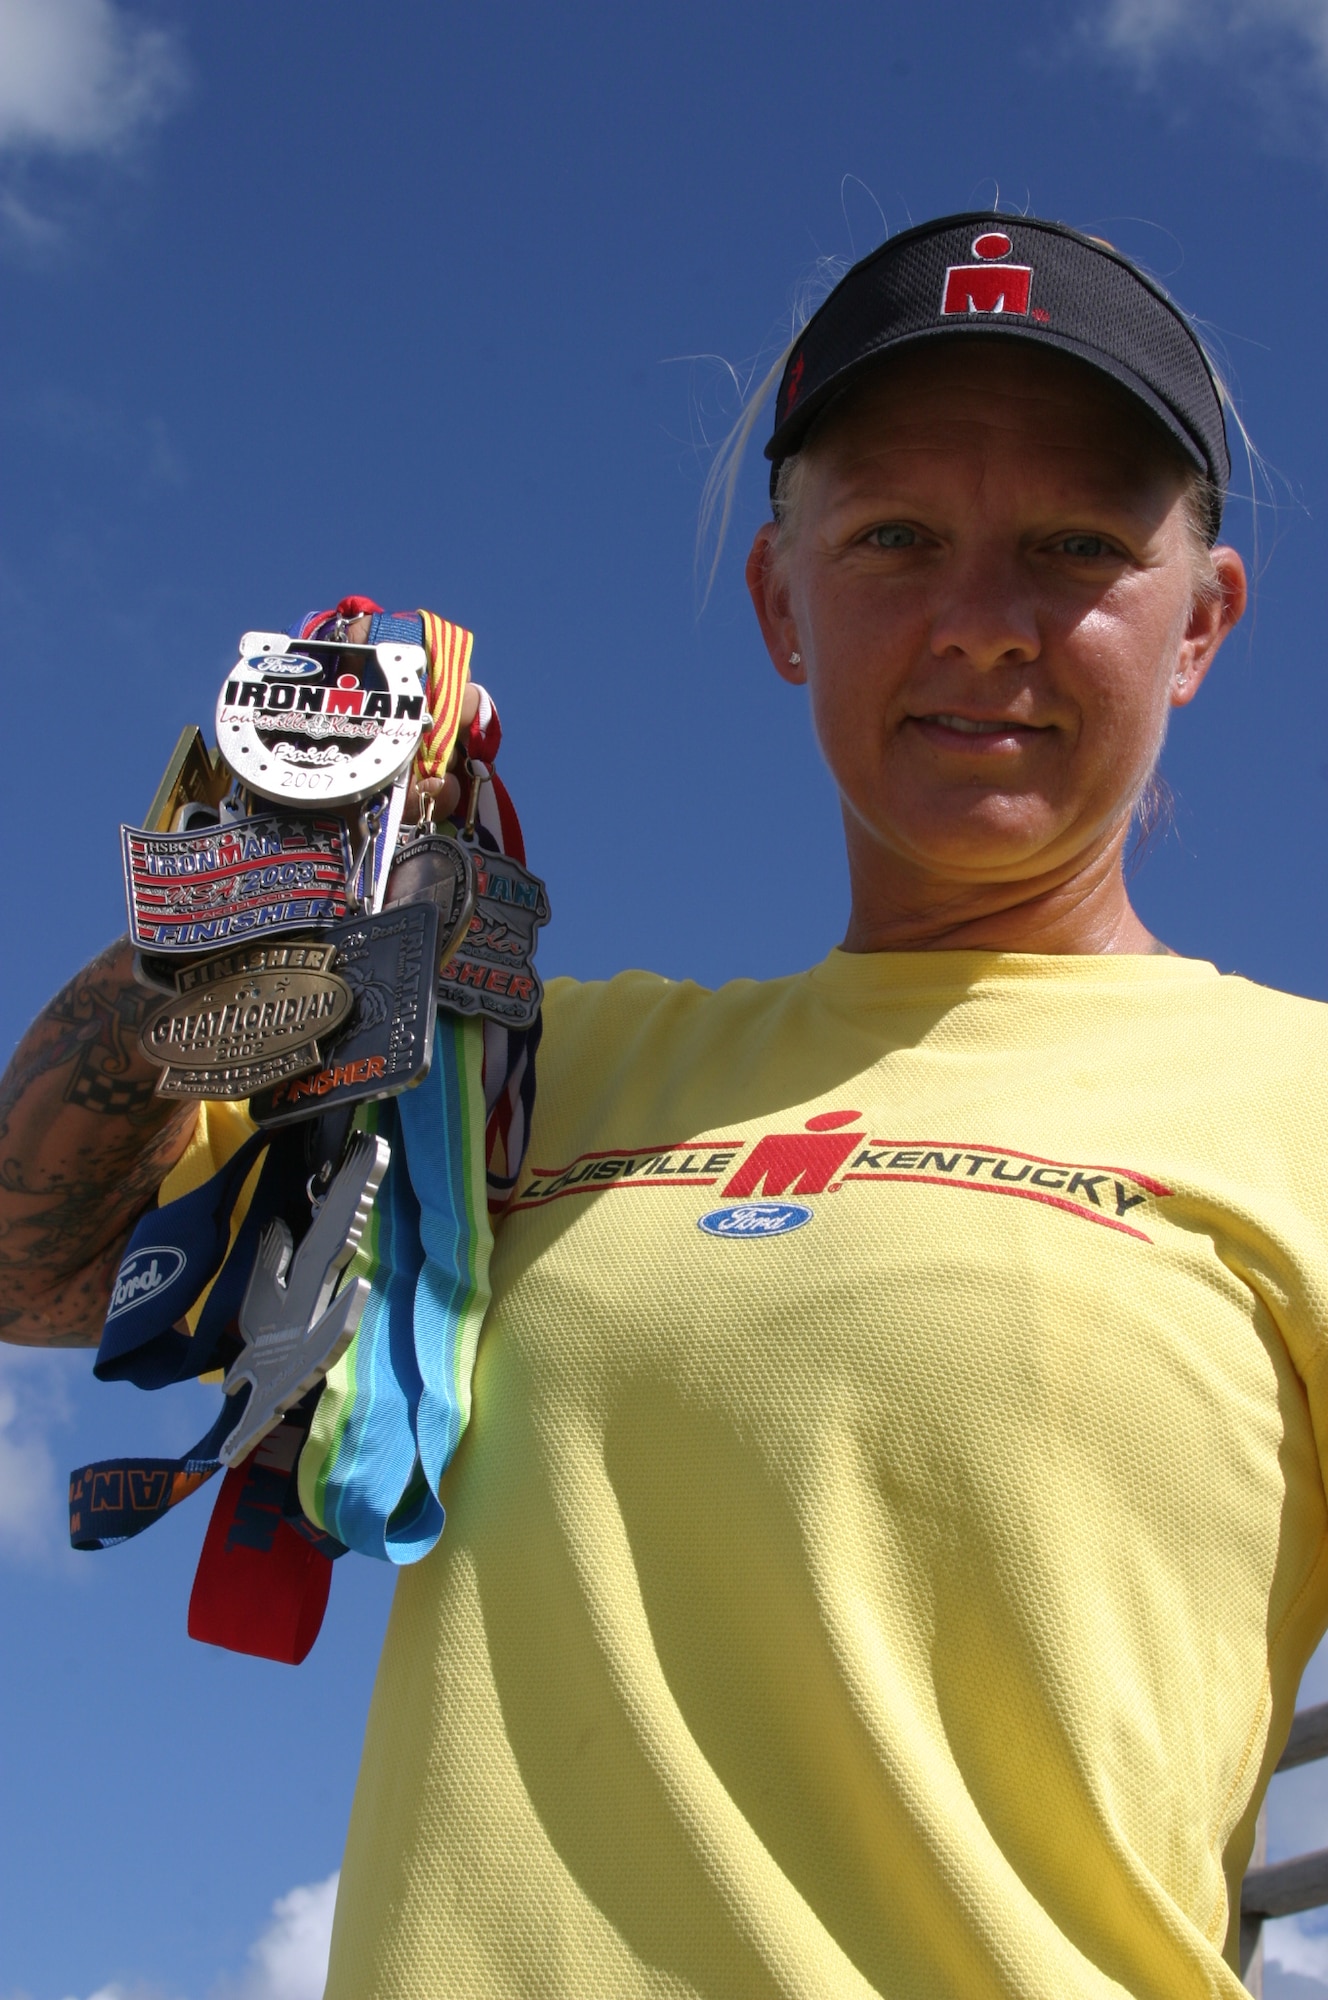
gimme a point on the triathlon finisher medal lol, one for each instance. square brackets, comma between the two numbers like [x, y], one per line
[390, 963]
[242, 1020]
[294, 1321]
[493, 969]
[435, 867]
[190, 892]
[315, 722]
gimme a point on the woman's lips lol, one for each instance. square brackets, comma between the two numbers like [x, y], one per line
[976, 736]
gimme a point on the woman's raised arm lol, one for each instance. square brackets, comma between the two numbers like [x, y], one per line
[84, 1146]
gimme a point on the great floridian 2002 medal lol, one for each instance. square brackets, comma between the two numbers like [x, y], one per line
[246, 1018]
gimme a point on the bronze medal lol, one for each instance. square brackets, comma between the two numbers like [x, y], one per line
[243, 1020]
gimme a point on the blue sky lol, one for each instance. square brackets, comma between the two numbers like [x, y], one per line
[446, 305]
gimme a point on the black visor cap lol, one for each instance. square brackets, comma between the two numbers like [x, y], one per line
[1016, 278]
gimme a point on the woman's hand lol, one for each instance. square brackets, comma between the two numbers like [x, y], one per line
[446, 792]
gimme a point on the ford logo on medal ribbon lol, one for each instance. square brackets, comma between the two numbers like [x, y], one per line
[143, 1274]
[755, 1218]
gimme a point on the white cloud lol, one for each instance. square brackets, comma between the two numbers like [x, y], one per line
[1144, 27]
[1299, 1944]
[289, 1960]
[116, 1992]
[1267, 57]
[79, 76]
[1284, 39]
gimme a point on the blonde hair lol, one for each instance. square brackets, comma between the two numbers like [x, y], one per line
[721, 483]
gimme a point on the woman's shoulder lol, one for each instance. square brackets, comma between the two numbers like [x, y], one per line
[637, 1053]
[1258, 1057]
[618, 1015]
[1291, 1019]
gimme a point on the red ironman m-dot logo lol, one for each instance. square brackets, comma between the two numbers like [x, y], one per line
[991, 286]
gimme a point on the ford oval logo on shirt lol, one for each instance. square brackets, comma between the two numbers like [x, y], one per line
[755, 1218]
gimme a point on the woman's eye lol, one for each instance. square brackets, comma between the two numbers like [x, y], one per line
[893, 535]
[1085, 546]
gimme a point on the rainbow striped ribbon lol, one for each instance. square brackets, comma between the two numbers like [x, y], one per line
[393, 1409]
[448, 648]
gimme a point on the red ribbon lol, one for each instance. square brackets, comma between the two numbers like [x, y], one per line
[260, 1587]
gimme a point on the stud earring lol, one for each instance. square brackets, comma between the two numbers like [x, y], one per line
[795, 659]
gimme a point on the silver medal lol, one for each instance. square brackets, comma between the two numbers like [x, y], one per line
[492, 971]
[294, 1322]
[318, 721]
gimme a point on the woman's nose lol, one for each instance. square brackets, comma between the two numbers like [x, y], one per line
[985, 612]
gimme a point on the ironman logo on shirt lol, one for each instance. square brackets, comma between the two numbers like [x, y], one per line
[833, 1151]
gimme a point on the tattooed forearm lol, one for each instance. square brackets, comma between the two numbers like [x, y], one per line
[88, 1032]
[84, 1146]
[68, 1314]
[68, 1212]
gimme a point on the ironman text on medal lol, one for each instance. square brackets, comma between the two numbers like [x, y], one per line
[489, 968]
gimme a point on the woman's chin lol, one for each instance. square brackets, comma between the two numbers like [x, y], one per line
[992, 844]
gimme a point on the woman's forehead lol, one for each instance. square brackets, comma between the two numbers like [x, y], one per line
[999, 393]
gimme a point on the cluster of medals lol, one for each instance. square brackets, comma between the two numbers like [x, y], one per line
[301, 937]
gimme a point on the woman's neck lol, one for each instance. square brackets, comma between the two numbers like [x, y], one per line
[1086, 911]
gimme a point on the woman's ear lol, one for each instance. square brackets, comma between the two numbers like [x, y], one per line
[1212, 617]
[768, 585]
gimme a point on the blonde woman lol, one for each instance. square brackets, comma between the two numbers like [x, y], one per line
[892, 1527]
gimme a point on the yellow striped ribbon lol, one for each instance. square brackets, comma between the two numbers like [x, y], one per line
[448, 648]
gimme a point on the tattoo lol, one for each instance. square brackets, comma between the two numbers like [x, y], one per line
[79, 1210]
[69, 1313]
[84, 1146]
[100, 1081]
[94, 1029]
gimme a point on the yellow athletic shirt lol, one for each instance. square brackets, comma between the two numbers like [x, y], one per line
[903, 1589]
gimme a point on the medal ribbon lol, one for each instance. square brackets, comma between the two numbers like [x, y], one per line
[448, 648]
[392, 1411]
[119, 1497]
[114, 1499]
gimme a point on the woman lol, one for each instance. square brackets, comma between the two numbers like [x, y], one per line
[851, 1587]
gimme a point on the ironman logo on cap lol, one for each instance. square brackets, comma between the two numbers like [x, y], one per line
[992, 286]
